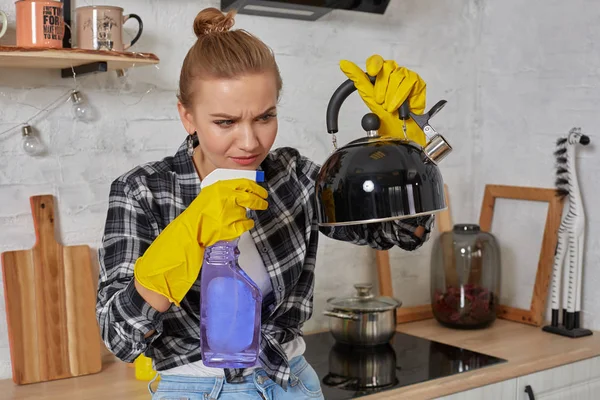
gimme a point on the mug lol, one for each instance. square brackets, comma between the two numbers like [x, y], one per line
[40, 23]
[101, 28]
[3, 23]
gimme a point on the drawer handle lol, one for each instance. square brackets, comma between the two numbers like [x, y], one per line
[529, 392]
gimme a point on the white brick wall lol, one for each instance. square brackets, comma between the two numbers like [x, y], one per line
[499, 81]
[537, 76]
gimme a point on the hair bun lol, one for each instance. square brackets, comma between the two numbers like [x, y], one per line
[212, 20]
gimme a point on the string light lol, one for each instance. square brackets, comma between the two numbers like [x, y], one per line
[50, 107]
[31, 144]
[125, 86]
[80, 109]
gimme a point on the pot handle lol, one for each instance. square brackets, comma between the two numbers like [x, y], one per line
[341, 315]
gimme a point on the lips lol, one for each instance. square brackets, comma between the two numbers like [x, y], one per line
[245, 160]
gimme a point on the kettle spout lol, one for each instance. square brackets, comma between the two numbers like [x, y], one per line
[437, 148]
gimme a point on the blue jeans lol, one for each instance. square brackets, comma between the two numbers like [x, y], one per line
[304, 384]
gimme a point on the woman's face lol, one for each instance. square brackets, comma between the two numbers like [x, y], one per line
[236, 121]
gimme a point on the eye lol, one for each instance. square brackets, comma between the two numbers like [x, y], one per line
[267, 117]
[224, 122]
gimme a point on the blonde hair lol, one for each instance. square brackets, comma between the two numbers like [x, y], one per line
[220, 52]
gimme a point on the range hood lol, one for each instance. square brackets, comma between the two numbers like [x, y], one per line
[308, 10]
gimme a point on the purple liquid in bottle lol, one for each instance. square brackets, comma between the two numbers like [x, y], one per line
[230, 312]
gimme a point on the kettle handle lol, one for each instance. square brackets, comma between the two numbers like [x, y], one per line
[341, 94]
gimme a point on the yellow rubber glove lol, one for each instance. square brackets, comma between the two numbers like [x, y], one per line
[392, 86]
[171, 264]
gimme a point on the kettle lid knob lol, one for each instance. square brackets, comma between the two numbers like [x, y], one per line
[370, 122]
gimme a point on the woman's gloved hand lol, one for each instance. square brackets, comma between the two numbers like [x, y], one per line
[171, 264]
[393, 85]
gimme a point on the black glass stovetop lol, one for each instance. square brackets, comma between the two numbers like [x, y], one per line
[348, 372]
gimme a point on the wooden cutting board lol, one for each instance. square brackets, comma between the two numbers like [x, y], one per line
[50, 305]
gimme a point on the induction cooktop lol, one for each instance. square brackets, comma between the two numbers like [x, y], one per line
[348, 372]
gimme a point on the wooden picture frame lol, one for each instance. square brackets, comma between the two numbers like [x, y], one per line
[535, 314]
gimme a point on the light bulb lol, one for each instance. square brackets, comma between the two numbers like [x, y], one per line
[125, 86]
[31, 144]
[80, 109]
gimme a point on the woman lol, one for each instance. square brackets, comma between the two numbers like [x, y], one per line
[159, 223]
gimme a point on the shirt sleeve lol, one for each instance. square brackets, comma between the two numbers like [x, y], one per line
[124, 317]
[380, 236]
[384, 235]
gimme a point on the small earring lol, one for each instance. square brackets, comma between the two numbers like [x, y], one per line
[190, 145]
[192, 142]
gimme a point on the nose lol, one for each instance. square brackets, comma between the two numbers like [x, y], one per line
[247, 140]
[584, 140]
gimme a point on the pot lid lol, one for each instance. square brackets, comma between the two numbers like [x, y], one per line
[364, 300]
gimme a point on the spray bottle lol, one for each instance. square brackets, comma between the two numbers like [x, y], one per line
[144, 371]
[231, 302]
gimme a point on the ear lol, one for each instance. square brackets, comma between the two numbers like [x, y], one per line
[187, 118]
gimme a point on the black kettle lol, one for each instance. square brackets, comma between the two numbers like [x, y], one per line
[376, 179]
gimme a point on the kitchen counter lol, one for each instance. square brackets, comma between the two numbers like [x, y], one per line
[527, 349]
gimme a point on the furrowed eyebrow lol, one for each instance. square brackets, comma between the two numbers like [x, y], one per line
[268, 110]
[225, 116]
[234, 117]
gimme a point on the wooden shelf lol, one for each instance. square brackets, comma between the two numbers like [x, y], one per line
[65, 59]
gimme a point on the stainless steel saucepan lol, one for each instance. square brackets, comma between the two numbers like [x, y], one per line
[361, 367]
[364, 320]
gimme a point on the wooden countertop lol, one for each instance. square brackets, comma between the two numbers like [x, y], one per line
[527, 349]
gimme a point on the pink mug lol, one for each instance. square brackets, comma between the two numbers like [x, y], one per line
[40, 24]
[101, 28]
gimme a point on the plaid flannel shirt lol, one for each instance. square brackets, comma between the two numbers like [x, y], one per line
[145, 200]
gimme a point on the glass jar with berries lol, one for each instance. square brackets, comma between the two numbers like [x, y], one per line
[465, 277]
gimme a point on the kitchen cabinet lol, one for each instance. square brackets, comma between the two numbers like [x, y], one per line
[504, 390]
[576, 381]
